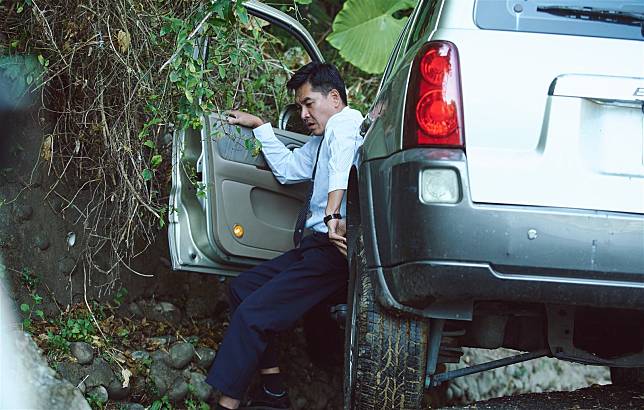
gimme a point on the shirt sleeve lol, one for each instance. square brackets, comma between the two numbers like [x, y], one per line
[288, 166]
[344, 141]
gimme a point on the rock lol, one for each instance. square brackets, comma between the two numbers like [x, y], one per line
[99, 373]
[24, 212]
[135, 309]
[181, 354]
[161, 340]
[66, 266]
[73, 372]
[41, 242]
[201, 389]
[140, 355]
[82, 387]
[26, 375]
[116, 391]
[178, 391]
[166, 312]
[161, 375]
[132, 406]
[99, 393]
[204, 357]
[82, 351]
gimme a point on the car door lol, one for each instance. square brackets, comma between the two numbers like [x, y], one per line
[227, 210]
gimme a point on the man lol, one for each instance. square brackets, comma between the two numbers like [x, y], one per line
[272, 296]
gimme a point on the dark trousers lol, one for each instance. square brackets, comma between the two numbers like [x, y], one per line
[270, 298]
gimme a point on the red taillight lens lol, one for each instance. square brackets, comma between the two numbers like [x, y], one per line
[435, 100]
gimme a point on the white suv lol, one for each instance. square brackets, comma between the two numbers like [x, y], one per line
[499, 197]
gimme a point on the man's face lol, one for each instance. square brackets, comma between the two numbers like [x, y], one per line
[316, 108]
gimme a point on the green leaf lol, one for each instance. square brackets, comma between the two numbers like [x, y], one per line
[40, 313]
[146, 174]
[304, 1]
[365, 31]
[189, 95]
[156, 160]
[174, 76]
[149, 144]
[41, 59]
[25, 307]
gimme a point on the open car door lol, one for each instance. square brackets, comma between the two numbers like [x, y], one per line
[227, 210]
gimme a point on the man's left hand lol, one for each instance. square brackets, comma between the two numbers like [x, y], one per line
[338, 234]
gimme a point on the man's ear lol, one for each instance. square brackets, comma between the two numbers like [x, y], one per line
[336, 98]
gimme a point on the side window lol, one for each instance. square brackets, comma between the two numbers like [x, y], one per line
[398, 51]
[426, 21]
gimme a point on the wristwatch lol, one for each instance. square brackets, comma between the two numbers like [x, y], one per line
[332, 216]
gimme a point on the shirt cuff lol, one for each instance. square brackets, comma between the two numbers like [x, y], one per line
[338, 180]
[263, 131]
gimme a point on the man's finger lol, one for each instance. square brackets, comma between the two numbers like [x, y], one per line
[335, 237]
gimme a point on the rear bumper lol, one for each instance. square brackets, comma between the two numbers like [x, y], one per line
[425, 255]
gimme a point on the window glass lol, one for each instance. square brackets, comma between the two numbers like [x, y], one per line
[597, 18]
[428, 13]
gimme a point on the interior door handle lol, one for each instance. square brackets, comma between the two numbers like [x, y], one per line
[366, 124]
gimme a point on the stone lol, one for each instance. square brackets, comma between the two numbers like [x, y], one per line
[161, 375]
[132, 406]
[82, 351]
[41, 242]
[82, 387]
[201, 389]
[116, 391]
[161, 340]
[160, 356]
[99, 373]
[24, 212]
[204, 357]
[66, 266]
[135, 309]
[178, 391]
[99, 393]
[166, 312]
[140, 355]
[181, 354]
[73, 372]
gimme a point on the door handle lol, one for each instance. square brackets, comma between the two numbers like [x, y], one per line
[366, 124]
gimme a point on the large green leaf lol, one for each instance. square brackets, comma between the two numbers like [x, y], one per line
[365, 31]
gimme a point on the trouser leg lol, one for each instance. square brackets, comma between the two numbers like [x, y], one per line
[275, 306]
[248, 282]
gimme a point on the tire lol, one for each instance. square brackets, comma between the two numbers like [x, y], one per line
[626, 376]
[385, 355]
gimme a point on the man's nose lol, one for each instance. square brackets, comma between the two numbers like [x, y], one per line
[304, 114]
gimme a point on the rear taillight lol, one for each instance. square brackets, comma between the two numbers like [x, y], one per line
[434, 114]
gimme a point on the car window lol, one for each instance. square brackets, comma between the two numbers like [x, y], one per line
[397, 52]
[599, 18]
[428, 12]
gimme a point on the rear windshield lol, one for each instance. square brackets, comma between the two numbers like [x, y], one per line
[594, 18]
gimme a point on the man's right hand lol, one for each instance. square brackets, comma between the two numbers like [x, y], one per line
[244, 119]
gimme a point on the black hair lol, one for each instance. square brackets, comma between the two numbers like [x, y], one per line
[323, 78]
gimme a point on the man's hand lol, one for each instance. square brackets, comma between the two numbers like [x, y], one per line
[338, 234]
[244, 119]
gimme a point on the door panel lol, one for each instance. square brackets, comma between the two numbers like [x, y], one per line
[217, 184]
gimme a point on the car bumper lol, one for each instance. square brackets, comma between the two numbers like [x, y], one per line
[425, 255]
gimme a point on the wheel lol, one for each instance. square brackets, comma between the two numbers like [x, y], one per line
[385, 354]
[624, 376]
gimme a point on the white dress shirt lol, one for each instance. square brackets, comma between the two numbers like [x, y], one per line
[340, 144]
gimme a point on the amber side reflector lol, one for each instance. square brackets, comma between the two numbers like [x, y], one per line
[238, 231]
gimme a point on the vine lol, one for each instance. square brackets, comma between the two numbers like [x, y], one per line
[117, 78]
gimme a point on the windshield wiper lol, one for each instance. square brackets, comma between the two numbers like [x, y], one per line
[595, 14]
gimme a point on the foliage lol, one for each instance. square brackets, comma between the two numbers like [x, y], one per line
[365, 31]
[118, 78]
[161, 404]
